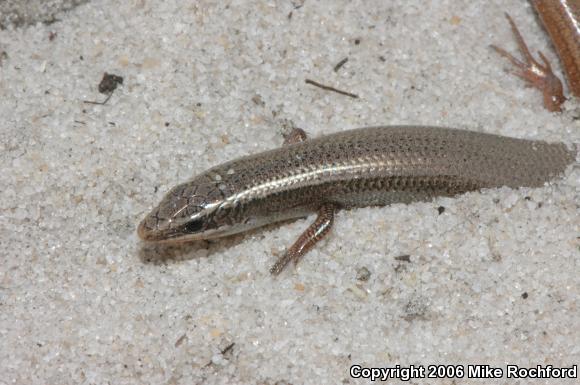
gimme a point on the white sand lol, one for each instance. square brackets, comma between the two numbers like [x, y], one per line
[83, 302]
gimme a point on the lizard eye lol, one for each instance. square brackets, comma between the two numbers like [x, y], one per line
[193, 226]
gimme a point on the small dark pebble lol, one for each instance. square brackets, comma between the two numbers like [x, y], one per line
[440, 210]
[363, 274]
[525, 295]
[404, 258]
[257, 99]
[297, 4]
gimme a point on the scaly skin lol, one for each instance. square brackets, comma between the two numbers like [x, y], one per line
[561, 18]
[363, 167]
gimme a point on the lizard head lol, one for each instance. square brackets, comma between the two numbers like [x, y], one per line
[190, 211]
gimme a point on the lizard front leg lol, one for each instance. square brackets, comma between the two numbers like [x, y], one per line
[315, 232]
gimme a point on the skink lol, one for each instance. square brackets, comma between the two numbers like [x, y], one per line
[362, 167]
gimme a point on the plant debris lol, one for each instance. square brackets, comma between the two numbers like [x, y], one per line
[107, 86]
[329, 88]
[340, 64]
